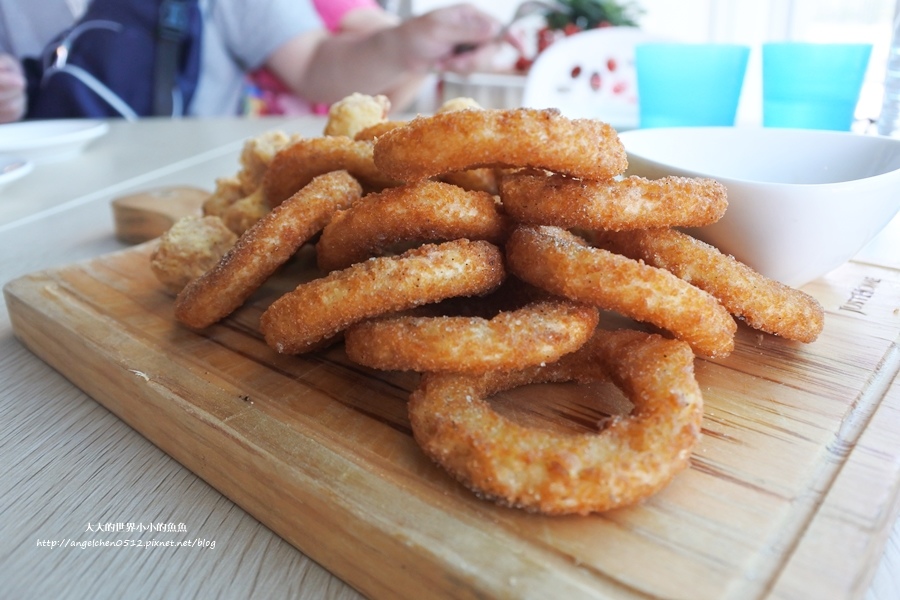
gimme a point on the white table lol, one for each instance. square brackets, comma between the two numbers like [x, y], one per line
[67, 463]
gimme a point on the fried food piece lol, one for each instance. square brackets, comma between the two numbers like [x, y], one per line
[228, 190]
[370, 133]
[458, 103]
[427, 211]
[296, 165]
[256, 156]
[535, 334]
[763, 303]
[192, 246]
[483, 179]
[244, 213]
[563, 263]
[267, 245]
[524, 137]
[628, 203]
[556, 473]
[354, 113]
[300, 320]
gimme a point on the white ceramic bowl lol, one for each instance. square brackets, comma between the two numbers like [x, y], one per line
[800, 202]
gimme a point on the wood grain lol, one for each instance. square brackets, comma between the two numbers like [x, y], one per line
[794, 486]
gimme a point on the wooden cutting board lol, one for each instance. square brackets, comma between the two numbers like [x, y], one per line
[790, 494]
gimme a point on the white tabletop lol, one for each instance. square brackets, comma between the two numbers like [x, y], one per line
[69, 465]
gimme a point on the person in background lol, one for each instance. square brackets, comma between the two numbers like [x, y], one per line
[288, 38]
[12, 89]
[267, 95]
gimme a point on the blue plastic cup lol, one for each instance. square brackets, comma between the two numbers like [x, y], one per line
[682, 84]
[812, 85]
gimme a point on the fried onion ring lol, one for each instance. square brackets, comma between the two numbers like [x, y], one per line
[370, 133]
[295, 165]
[762, 303]
[562, 263]
[268, 244]
[629, 203]
[324, 307]
[635, 455]
[524, 137]
[535, 334]
[427, 211]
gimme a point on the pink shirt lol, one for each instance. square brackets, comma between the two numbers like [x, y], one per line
[332, 11]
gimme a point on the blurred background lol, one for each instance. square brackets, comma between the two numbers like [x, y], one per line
[749, 22]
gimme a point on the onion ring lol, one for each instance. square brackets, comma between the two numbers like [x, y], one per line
[326, 306]
[629, 203]
[535, 334]
[762, 303]
[267, 245]
[563, 473]
[524, 137]
[295, 165]
[427, 211]
[564, 264]
[370, 133]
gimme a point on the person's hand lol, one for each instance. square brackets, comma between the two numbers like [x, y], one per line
[12, 89]
[457, 38]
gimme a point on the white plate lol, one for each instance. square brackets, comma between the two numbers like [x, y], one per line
[13, 168]
[51, 140]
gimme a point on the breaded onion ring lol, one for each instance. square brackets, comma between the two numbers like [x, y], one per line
[322, 308]
[763, 303]
[629, 203]
[263, 248]
[523, 137]
[296, 165]
[635, 455]
[481, 180]
[368, 134]
[535, 334]
[562, 263]
[427, 211]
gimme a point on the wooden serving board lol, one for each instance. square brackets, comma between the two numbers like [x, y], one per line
[790, 494]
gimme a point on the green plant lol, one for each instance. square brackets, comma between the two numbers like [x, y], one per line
[588, 14]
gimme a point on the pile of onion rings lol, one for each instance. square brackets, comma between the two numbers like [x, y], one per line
[485, 250]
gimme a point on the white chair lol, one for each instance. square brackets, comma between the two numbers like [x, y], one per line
[589, 74]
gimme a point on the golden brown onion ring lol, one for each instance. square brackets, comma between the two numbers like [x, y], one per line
[370, 133]
[635, 455]
[267, 245]
[762, 303]
[535, 334]
[427, 211]
[629, 203]
[326, 306]
[523, 137]
[295, 165]
[562, 263]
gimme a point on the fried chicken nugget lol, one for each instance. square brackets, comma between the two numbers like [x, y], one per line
[192, 246]
[354, 113]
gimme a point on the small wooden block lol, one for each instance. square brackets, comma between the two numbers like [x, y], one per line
[147, 215]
